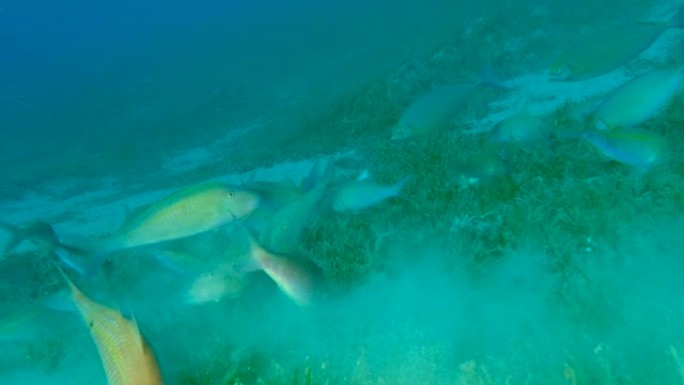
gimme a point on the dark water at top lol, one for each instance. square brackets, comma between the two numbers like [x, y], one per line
[122, 78]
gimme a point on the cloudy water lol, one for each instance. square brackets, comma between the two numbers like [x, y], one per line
[171, 178]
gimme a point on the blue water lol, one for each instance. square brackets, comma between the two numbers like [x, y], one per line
[100, 77]
[497, 263]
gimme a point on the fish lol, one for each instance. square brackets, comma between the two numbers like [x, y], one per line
[432, 111]
[202, 252]
[576, 113]
[190, 211]
[39, 233]
[281, 233]
[609, 49]
[296, 277]
[180, 260]
[639, 99]
[633, 146]
[361, 194]
[214, 285]
[126, 357]
[522, 128]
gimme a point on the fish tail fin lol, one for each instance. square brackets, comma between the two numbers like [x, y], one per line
[15, 237]
[399, 186]
[293, 280]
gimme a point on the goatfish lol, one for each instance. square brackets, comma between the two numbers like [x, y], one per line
[609, 49]
[214, 285]
[282, 232]
[639, 99]
[433, 111]
[126, 357]
[633, 146]
[295, 277]
[187, 212]
[39, 233]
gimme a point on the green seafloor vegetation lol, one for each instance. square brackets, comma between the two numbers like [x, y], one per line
[564, 269]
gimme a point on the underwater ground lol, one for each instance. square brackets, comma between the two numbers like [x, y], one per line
[565, 270]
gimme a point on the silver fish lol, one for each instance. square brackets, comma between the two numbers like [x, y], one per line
[632, 146]
[433, 111]
[639, 99]
[362, 194]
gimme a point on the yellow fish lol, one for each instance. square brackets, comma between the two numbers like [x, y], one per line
[125, 355]
[187, 212]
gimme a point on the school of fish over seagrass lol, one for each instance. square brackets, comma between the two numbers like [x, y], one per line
[569, 184]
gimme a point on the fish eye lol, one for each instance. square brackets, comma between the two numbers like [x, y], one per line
[231, 194]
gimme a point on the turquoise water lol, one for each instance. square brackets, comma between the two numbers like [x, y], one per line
[561, 266]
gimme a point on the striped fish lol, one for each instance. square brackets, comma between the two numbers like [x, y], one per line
[125, 355]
